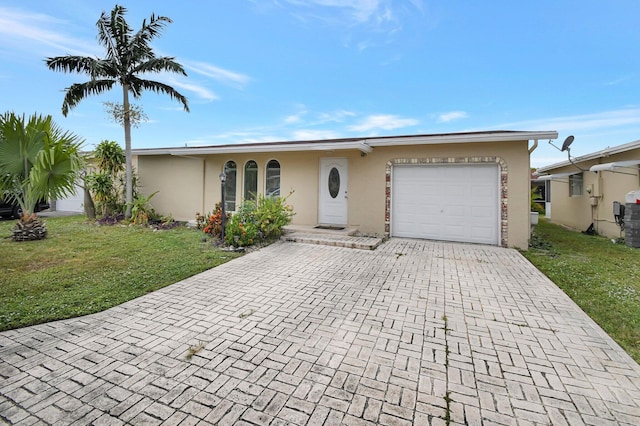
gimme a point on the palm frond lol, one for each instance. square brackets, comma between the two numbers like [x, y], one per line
[160, 65]
[79, 91]
[138, 85]
[114, 33]
[92, 67]
[20, 142]
[56, 172]
[140, 41]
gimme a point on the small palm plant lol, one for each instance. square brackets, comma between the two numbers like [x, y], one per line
[141, 209]
[38, 161]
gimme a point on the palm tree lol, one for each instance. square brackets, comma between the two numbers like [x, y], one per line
[128, 56]
[37, 161]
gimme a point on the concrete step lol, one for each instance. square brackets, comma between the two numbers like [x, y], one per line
[336, 240]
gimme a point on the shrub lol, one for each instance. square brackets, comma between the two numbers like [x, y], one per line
[272, 215]
[211, 223]
[258, 221]
[241, 230]
[141, 209]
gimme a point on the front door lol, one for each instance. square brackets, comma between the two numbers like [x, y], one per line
[332, 205]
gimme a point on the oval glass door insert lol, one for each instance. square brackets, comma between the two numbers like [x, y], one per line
[334, 182]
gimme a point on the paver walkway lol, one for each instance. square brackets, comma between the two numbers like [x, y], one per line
[414, 332]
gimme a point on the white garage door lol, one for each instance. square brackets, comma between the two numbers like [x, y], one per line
[72, 203]
[446, 202]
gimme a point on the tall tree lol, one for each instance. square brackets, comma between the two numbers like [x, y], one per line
[38, 161]
[128, 56]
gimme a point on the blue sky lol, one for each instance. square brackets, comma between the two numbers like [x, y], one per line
[278, 70]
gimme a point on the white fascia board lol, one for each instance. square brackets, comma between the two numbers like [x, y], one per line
[462, 138]
[604, 153]
[248, 148]
[614, 165]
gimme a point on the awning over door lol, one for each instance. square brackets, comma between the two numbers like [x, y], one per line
[614, 165]
[557, 176]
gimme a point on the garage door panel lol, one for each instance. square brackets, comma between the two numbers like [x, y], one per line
[478, 192]
[455, 232]
[453, 203]
[482, 212]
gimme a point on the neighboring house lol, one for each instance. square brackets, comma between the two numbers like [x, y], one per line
[583, 192]
[467, 187]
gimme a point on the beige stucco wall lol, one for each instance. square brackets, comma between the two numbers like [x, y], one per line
[190, 185]
[607, 187]
[179, 182]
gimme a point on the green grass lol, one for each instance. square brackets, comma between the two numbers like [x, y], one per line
[82, 268]
[603, 278]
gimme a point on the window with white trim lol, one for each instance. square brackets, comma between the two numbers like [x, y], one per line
[230, 169]
[272, 179]
[576, 182]
[250, 180]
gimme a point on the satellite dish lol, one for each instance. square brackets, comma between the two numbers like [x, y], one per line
[567, 143]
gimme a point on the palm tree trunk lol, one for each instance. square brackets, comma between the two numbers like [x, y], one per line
[89, 206]
[127, 152]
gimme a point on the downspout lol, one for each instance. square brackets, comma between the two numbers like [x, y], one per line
[533, 147]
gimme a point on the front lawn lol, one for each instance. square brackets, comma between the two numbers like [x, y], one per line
[81, 268]
[603, 278]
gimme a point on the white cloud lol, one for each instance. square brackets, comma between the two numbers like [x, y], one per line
[359, 10]
[385, 122]
[201, 91]
[306, 135]
[619, 80]
[572, 123]
[315, 118]
[219, 74]
[452, 116]
[254, 135]
[298, 116]
[17, 26]
[292, 119]
[335, 116]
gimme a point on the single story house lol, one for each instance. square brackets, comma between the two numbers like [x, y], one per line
[583, 191]
[467, 187]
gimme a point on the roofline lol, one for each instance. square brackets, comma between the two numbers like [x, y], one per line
[592, 156]
[365, 145]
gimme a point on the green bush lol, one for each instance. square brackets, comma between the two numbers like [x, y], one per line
[272, 215]
[258, 221]
[142, 210]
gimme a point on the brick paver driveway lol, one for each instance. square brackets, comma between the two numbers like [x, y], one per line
[415, 332]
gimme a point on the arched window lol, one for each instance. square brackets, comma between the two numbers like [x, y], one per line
[272, 185]
[230, 169]
[250, 180]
